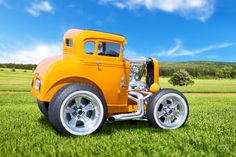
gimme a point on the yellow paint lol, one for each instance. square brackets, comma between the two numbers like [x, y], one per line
[75, 66]
[154, 88]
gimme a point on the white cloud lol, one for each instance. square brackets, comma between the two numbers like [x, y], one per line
[5, 4]
[131, 54]
[178, 50]
[192, 9]
[38, 7]
[29, 56]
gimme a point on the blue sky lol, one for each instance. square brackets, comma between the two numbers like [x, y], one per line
[170, 30]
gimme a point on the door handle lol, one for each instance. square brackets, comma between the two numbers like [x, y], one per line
[98, 62]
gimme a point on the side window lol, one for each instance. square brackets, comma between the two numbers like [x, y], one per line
[108, 49]
[89, 47]
[69, 42]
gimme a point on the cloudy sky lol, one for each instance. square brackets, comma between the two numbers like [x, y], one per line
[170, 30]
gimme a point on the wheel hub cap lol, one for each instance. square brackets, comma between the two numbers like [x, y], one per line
[81, 113]
[171, 111]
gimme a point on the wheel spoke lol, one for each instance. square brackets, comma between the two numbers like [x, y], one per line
[177, 114]
[78, 101]
[86, 120]
[167, 120]
[161, 114]
[73, 121]
[69, 110]
[164, 102]
[174, 105]
[88, 107]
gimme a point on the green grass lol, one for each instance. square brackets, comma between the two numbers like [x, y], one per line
[15, 81]
[204, 86]
[21, 81]
[210, 130]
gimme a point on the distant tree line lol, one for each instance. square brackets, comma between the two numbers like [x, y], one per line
[200, 69]
[18, 66]
[197, 69]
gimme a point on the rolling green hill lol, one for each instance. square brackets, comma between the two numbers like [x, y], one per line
[199, 69]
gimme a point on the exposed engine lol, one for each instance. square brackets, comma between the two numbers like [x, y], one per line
[137, 70]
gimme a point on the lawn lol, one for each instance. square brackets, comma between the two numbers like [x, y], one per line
[21, 81]
[210, 130]
[15, 81]
[204, 86]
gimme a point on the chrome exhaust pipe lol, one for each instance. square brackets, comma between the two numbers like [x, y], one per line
[134, 115]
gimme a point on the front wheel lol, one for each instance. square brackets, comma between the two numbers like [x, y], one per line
[78, 109]
[168, 109]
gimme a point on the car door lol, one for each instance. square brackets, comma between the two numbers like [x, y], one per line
[112, 72]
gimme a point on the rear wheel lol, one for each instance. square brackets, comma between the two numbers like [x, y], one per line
[43, 106]
[78, 109]
[168, 109]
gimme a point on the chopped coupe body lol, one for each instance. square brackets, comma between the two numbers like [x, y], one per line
[92, 82]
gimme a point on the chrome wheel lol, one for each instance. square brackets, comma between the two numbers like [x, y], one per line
[81, 113]
[170, 111]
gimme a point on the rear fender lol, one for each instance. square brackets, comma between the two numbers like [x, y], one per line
[63, 82]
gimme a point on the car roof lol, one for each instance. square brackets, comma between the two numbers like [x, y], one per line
[80, 34]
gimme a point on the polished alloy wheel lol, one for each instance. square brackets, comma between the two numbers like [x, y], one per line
[81, 113]
[171, 111]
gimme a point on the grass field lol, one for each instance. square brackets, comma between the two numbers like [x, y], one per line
[210, 130]
[205, 86]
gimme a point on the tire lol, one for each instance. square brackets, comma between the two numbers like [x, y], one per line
[168, 109]
[77, 109]
[43, 107]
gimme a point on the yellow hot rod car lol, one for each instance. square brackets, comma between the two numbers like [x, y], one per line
[91, 83]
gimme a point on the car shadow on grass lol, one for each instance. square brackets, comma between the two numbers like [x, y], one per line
[44, 121]
[129, 125]
[110, 128]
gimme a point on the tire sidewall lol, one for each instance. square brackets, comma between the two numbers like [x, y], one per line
[59, 99]
[155, 102]
[64, 103]
[42, 107]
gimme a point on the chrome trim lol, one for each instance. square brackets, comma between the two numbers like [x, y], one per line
[134, 115]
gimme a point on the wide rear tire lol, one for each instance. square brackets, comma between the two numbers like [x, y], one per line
[78, 109]
[168, 109]
[43, 107]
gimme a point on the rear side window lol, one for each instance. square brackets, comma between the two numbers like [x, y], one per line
[69, 42]
[108, 49]
[89, 47]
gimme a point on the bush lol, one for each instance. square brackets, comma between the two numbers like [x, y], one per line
[13, 70]
[181, 78]
[24, 71]
[2, 69]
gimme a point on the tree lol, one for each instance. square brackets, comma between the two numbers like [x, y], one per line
[219, 73]
[225, 72]
[181, 78]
